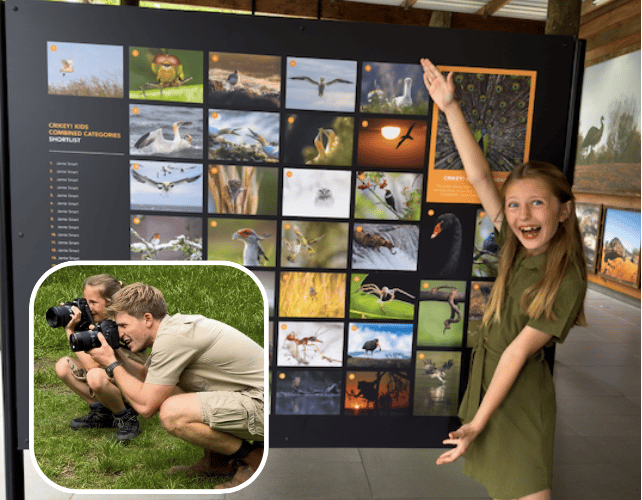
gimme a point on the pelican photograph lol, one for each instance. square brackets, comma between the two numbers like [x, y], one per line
[243, 136]
[589, 217]
[318, 140]
[314, 244]
[392, 142]
[165, 237]
[243, 190]
[312, 294]
[249, 242]
[621, 246]
[307, 392]
[388, 196]
[391, 247]
[305, 343]
[320, 84]
[486, 251]
[160, 74]
[167, 131]
[379, 345]
[85, 69]
[608, 142]
[383, 295]
[316, 193]
[442, 310]
[244, 80]
[437, 384]
[158, 186]
[393, 88]
[377, 393]
[444, 241]
[479, 295]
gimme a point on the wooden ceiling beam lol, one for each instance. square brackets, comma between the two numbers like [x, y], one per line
[491, 7]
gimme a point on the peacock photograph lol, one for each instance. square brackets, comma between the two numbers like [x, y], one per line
[498, 107]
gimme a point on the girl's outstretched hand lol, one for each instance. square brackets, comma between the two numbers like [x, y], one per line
[461, 438]
[442, 90]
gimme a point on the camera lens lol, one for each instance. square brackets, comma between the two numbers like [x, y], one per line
[58, 316]
[83, 341]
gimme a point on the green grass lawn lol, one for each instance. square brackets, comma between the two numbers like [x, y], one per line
[92, 459]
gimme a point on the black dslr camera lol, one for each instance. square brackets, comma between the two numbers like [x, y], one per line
[86, 341]
[61, 315]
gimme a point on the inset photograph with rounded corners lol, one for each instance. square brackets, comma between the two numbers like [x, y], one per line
[312, 295]
[442, 309]
[391, 247]
[243, 190]
[380, 345]
[171, 75]
[382, 295]
[165, 237]
[318, 140]
[244, 80]
[321, 84]
[306, 343]
[166, 131]
[89, 431]
[393, 88]
[166, 186]
[249, 242]
[307, 392]
[316, 193]
[392, 142]
[314, 244]
[84, 69]
[243, 136]
[388, 196]
[437, 383]
[377, 393]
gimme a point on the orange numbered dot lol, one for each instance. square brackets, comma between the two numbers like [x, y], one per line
[476, 286]
[284, 327]
[135, 166]
[213, 223]
[421, 355]
[431, 212]
[368, 68]
[214, 58]
[292, 63]
[352, 376]
[289, 173]
[354, 328]
[135, 53]
[359, 229]
[364, 123]
[54, 48]
[287, 225]
[482, 214]
[285, 277]
[214, 115]
[281, 375]
[290, 119]
[135, 110]
[356, 279]
[426, 286]
[136, 220]
[362, 177]
[214, 170]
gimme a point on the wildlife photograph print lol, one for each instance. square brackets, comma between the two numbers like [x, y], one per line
[479, 295]
[437, 383]
[377, 393]
[307, 392]
[244, 80]
[393, 88]
[243, 190]
[321, 84]
[621, 246]
[157, 74]
[157, 186]
[312, 139]
[379, 345]
[312, 295]
[306, 343]
[392, 142]
[608, 142]
[165, 237]
[166, 131]
[486, 251]
[442, 310]
[84, 69]
[316, 193]
[314, 244]
[388, 196]
[249, 242]
[590, 219]
[385, 246]
[243, 136]
[383, 295]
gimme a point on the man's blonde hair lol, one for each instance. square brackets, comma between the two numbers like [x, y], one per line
[136, 300]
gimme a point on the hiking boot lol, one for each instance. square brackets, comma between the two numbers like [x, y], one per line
[247, 467]
[99, 417]
[127, 425]
[212, 464]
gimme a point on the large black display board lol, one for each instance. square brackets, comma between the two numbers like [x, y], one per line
[273, 129]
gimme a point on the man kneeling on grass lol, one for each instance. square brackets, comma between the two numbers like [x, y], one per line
[204, 377]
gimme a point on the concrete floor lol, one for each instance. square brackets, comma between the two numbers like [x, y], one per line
[597, 448]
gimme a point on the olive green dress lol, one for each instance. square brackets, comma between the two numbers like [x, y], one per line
[513, 456]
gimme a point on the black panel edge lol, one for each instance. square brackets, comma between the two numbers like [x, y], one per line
[573, 122]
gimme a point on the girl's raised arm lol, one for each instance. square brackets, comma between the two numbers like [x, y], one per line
[442, 92]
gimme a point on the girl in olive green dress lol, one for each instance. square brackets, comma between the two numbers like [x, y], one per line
[508, 410]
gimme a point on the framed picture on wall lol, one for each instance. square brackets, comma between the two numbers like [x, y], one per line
[620, 260]
[590, 218]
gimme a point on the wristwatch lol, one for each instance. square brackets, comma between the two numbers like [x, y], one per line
[110, 369]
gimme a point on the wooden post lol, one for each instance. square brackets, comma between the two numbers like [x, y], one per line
[441, 19]
[563, 17]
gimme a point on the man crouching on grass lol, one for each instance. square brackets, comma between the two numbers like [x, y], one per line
[204, 377]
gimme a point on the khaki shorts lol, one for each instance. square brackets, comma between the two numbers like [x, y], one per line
[237, 413]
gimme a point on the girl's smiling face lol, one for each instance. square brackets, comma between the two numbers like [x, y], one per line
[97, 304]
[534, 213]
